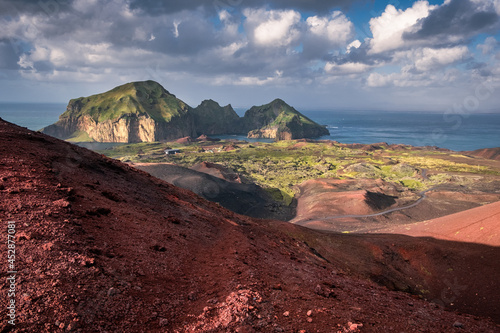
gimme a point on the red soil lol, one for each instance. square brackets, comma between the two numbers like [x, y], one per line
[489, 153]
[320, 198]
[479, 225]
[103, 247]
[185, 140]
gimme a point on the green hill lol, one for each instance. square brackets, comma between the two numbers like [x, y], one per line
[133, 112]
[280, 121]
[212, 119]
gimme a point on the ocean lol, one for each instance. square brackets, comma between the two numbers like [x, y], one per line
[459, 132]
[31, 115]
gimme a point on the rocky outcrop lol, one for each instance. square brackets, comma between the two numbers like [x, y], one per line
[278, 120]
[212, 119]
[134, 112]
[129, 128]
[271, 132]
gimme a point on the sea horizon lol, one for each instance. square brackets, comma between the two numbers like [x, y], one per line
[458, 132]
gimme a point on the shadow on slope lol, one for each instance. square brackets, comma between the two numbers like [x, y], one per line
[246, 199]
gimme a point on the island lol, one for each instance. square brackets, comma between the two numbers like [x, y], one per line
[146, 112]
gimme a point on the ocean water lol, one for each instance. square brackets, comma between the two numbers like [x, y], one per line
[452, 131]
[455, 132]
[33, 116]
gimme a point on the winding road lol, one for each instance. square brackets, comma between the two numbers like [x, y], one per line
[392, 210]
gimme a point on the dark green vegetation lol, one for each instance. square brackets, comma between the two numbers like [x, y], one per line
[279, 166]
[279, 120]
[132, 98]
[239, 197]
[212, 119]
[146, 112]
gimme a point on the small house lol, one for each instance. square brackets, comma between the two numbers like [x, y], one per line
[172, 151]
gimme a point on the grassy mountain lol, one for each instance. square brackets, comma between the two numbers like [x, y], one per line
[133, 112]
[211, 119]
[137, 98]
[279, 120]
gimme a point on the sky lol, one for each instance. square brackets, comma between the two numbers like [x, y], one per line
[316, 55]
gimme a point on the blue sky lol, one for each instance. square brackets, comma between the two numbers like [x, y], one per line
[334, 54]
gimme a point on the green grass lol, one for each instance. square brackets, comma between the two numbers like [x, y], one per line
[80, 136]
[412, 184]
[132, 98]
[278, 167]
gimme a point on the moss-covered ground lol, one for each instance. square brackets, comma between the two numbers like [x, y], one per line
[279, 166]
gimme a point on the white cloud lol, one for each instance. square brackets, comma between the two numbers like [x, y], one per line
[426, 59]
[433, 59]
[354, 45]
[176, 28]
[25, 62]
[272, 28]
[379, 80]
[256, 81]
[406, 78]
[422, 67]
[335, 29]
[388, 29]
[227, 52]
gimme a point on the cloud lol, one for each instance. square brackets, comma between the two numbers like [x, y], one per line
[353, 45]
[429, 59]
[311, 46]
[456, 20]
[324, 34]
[46, 7]
[490, 44]
[8, 56]
[406, 79]
[346, 68]
[272, 28]
[176, 28]
[154, 7]
[335, 30]
[388, 29]
[422, 67]
[420, 61]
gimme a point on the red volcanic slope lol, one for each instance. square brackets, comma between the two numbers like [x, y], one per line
[103, 247]
[490, 153]
[478, 225]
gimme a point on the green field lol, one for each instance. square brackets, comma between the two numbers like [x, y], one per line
[284, 164]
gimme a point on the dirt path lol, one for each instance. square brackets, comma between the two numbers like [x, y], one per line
[392, 210]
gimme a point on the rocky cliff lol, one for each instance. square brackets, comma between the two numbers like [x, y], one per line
[212, 119]
[134, 112]
[278, 120]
